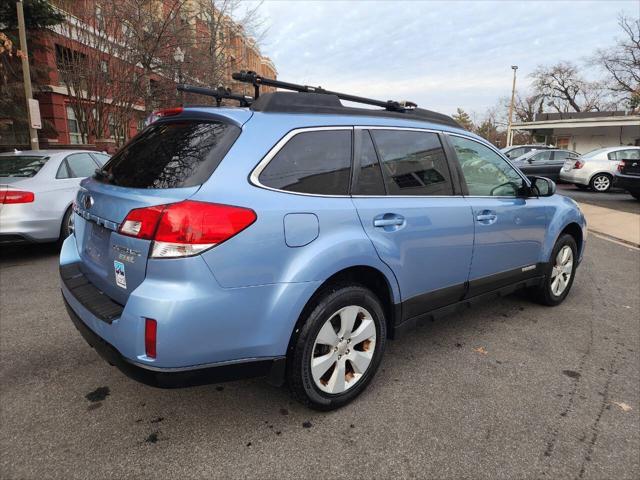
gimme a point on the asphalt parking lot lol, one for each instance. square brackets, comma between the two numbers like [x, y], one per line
[616, 199]
[507, 390]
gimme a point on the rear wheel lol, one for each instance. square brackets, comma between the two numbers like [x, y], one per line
[559, 273]
[338, 349]
[66, 228]
[601, 182]
[635, 195]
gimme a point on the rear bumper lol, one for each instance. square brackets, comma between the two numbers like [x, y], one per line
[572, 176]
[273, 368]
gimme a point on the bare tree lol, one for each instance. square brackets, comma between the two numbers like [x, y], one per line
[564, 89]
[622, 63]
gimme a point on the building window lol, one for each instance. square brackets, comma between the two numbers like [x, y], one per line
[75, 137]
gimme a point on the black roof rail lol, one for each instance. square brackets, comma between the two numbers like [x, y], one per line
[219, 94]
[258, 80]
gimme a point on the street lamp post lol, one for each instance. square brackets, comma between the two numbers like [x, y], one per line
[178, 56]
[513, 94]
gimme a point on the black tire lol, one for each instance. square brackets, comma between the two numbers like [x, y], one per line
[601, 177]
[635, 195]
[581, 187]
[543, 294]
[65, 231]
[323, 308]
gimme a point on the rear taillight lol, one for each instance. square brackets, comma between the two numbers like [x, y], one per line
[16, 196]
[150, 336]
[186, 228]
[621, 166]
[578, 165]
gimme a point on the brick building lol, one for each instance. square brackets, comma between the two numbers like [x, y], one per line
[51, 51]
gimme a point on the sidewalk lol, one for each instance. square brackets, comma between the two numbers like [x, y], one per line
[621, 226]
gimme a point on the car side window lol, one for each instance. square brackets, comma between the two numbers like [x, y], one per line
[101, 158]
[516, 152]
[370, 180]
[81, 165]
[631, 154]
[542, 156]
[413, 163]
[63, 171]
[312, 162]
[486, 172]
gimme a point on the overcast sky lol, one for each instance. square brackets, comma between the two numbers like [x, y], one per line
[439, 54]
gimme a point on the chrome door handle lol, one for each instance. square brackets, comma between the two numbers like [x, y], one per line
[388, 222]
[486, 217]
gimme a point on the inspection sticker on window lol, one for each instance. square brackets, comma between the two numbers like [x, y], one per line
[121, 279]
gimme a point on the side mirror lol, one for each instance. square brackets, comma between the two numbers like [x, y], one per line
[530, 160]
[542, 187]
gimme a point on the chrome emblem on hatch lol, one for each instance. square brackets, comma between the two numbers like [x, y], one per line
[87, 201]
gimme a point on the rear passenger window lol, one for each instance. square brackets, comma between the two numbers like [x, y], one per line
[312, 162]
[370, 176]
[81, 165]
[413, 163]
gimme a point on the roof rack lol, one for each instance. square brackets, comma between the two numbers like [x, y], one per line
[258, 80]
[219, 94]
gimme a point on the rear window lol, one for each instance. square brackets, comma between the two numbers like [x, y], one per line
[171, 155]
[21, 165]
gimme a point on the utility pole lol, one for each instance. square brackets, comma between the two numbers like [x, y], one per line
[26, 75]
[513, 94]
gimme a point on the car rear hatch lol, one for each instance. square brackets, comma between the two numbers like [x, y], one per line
[164, 164]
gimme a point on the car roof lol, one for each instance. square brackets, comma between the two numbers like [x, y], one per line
[46, 153]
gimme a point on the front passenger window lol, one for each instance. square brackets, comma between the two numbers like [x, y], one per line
[486, 172]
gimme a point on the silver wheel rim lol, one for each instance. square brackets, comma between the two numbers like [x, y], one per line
[70, 225]
[562, 271]
[343, 349]
[601, 183]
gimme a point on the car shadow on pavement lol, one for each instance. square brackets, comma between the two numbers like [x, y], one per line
[16, 254]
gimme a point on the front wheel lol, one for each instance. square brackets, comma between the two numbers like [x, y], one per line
[338, 348]
[601, 183]
[559, 273]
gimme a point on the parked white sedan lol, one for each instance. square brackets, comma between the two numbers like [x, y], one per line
[597, 168]
[37, 189]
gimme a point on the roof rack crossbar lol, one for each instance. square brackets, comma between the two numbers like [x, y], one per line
[219, 94]
[258, 80]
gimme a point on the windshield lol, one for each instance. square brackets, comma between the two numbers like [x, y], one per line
[21, 165]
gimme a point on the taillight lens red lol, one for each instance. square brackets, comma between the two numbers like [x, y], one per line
[621, 167]
[186, 228]
[142, 222]
[150, 337]
[16, 196]
[578, 165]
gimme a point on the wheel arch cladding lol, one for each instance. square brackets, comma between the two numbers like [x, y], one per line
[575, 231]
[364, 275]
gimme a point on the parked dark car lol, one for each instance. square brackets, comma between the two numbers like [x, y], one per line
[544, 163]
[516, 151]
[628, 175]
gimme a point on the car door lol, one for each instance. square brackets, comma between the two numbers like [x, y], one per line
[418, 222]
[509, 229]
[538, 164]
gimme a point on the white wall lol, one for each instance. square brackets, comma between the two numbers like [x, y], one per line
[583, 140]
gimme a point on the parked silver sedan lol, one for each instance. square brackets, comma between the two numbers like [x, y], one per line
[597, 168]
[37, 189]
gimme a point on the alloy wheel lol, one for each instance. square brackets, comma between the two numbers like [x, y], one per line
[70, 226]
[601, 183]
[343, 349]
[562, 271]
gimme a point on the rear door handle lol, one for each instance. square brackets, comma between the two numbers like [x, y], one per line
[388, 220]
[487, 217]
